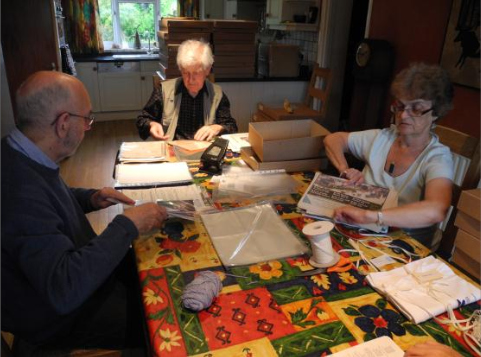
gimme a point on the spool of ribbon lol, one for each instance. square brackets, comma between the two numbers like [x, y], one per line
[199, 293]
[323, 255]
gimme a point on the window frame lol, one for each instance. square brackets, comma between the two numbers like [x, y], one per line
[117, 30]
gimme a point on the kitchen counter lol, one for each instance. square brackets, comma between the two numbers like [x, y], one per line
[139, 57]
[117, 57]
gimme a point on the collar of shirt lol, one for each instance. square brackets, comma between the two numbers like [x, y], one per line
[18, 141]
[182, 89]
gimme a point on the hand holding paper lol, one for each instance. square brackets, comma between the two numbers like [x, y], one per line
[108, 196]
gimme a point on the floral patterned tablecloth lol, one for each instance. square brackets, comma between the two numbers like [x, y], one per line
[267, 310]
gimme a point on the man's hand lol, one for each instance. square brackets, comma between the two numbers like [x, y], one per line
[430, 349]
[147, 216]
[108, 196]
[208, 132]
[157, 131]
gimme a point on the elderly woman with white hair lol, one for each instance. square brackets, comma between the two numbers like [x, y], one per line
[188, 107]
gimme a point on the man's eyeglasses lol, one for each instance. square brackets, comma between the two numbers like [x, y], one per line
[413, 110]
[88, 120]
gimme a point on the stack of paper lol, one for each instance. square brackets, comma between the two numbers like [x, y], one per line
[142, 175]
[143, 151]
[237, 141]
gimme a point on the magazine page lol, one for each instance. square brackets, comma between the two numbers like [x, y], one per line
[326, 193]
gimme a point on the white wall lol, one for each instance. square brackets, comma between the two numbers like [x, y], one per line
[244, 97]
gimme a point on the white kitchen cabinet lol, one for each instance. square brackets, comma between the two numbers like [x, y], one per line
[273, 12]
[119, 86]
[230, 9]
[213, 9]
[280, 14]
[87, 74]
[147, 72]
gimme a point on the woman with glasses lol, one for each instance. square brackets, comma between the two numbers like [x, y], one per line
[406, 157]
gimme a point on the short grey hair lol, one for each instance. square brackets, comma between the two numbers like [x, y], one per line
[428, 82]
[37, 105]
[194, 52]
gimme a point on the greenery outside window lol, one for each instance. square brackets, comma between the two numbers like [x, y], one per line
[120, 19]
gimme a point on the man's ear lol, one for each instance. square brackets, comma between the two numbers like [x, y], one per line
[62, 125]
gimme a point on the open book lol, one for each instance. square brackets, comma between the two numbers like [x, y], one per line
[326, 193]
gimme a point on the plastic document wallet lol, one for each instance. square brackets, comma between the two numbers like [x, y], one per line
[251, 234]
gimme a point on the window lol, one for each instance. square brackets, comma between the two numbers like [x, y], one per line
[121, 19]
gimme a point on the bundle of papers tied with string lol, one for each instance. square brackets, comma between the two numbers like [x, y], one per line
[424, 288]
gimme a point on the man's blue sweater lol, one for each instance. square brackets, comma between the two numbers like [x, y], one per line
[52, 260]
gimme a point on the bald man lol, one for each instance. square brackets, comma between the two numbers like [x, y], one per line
[62, 283]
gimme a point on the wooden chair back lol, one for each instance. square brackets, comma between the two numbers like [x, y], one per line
[465, 149]
[319, 89]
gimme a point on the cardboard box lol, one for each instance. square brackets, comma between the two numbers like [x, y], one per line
[250, 158]
[278, 60]
[467, 223]
[469, 203]
[277, 112]
[469, 244]
[240, 48]
[287, 140]
[235, 25]
[230, 37]
[466, 263]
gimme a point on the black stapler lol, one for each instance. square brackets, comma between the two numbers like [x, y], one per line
[213, 157]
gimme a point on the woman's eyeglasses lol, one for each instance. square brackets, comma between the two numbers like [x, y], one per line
[413, 110]
[88, 120]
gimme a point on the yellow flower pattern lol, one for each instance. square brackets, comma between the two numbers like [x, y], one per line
[151, 298]
[169, 340]
[322, 280]
[347, 278]
[267, 270]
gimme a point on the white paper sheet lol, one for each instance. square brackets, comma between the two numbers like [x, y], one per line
[379, 347]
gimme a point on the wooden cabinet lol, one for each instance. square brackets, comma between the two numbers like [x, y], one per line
[29, 40]
[87, 74]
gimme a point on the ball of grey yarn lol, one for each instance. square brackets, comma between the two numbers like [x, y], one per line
[199, 293]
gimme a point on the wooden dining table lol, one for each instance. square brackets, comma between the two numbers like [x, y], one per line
[266, 309]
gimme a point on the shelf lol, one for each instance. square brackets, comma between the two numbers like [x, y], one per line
[293, 26]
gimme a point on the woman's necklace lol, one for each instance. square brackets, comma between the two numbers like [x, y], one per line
[414, 153]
